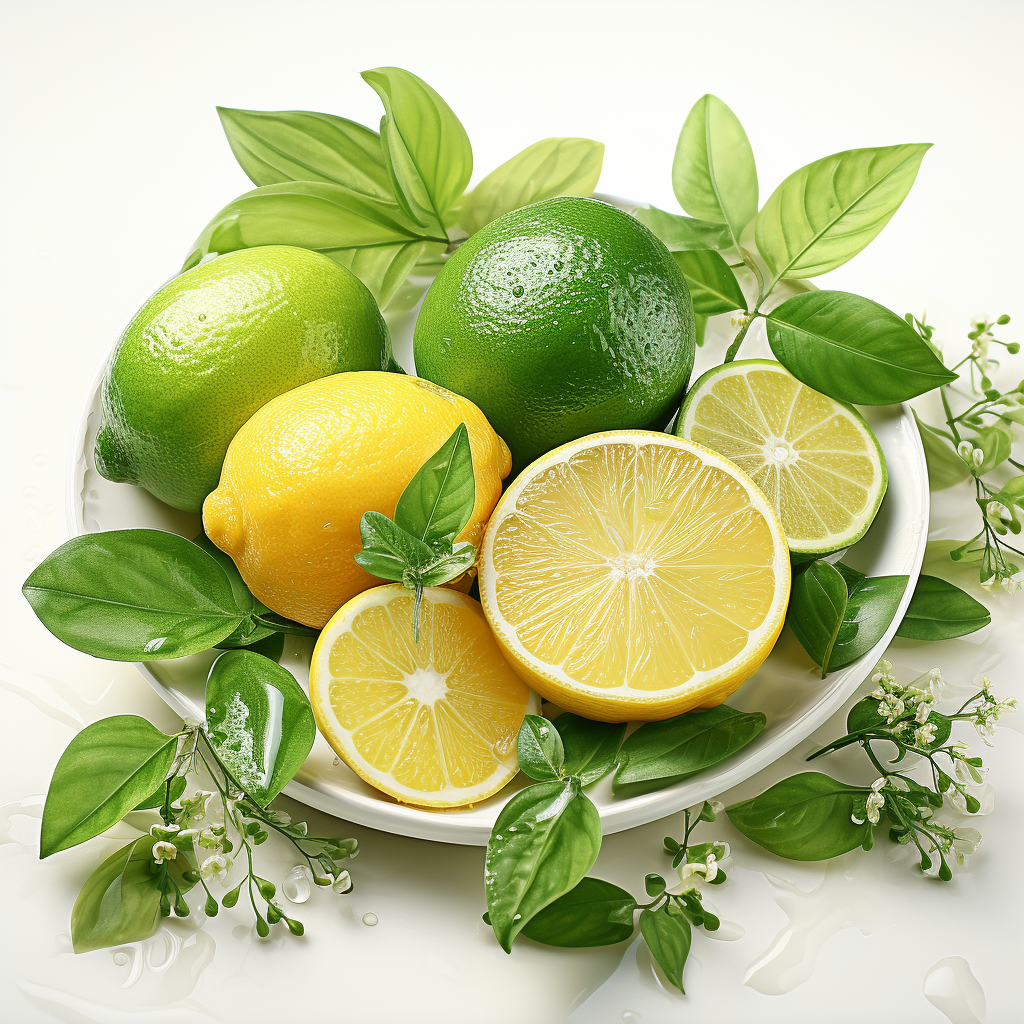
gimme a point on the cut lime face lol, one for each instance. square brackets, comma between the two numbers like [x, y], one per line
[815, 459]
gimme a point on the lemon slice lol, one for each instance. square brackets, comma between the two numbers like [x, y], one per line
[432, 723]
[634, 575]
[815, 458]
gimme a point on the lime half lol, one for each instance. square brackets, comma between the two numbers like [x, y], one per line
[815, 458]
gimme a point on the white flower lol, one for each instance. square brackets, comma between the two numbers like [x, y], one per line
[216, 867]
[878, 785]
[164, 831]
[977, 456]
[343, 883]
[873, 805]
[164, 851]
[922, 713]
[965, 843]
[891, 708]
[965, 449]
[935, 683]
[717, 806]
[1010, 585]
[924, 735]
[997, 512]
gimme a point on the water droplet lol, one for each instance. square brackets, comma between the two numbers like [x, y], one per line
[30, 492]
[632, 1017]
[517, 291]
[950, 986]
[369, 920]
[336, 761]
[296, 885]
[120, 958]
[202, 316]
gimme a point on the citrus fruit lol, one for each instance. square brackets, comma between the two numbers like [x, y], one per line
[816, 459]
[432, 723]
[558, 320]
[634, 575]
[211, 347]
[301, 472]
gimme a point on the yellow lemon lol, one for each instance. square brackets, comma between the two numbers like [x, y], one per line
[301, 472]
[432, 723]
[634, 575]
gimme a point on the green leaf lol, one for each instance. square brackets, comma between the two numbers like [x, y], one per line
[133, 595]
[591, 748]
[371, 237]
[940, 611]
[449, 567]
[682, 746]
[549, 168]
[684, 234]
[713, 172]
[545, 840]
[945, 467]
[156, 798]
[274, 146]
[995, 443]
[592, 913]
[667, 934]
[825, 213]
[817, 604]
[539, 748]
[438, 502]
[426, 149]
[870, 608]
[713, 286]
[852, 349]
[259, 722]
[804, 817]
[249, 631]
[387, 549]
[106, 770]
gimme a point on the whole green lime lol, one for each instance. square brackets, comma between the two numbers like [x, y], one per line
[216, 344]
[560, 320]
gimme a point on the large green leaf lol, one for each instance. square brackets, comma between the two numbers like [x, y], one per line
[817, 604]
[853, 349]
[825, 213]
[945, 467]
[590, 748]
[107, 770]
[940, 611]
[133, 595]
[870, 608]
[667, 934]
[684, 234]
[273, 146]
[426, 149]
[539, 749]
[549, 168]
[713, 286]
[592, 913]
[713, 173]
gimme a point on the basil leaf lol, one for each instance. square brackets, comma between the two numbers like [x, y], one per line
[804, 817]
[426, 149]
[817, 604]
[592, 913]
[371, 237]
[824, 214]
[870, 608]
[549, 168]
[545, 840]
[133, 595]
[248, 631]
[259, 722]
[682, 746]
[156, 798]
[438, 502]
[852, 349]
[683, 234]
[273, 146]
[713, 286]
[105, 771]
[591, 748]
[667, 934]
[713, 172]
[539, 749]
[387, 549]
[940, 611]
[996, 443]
[945, 467]
[449, 567]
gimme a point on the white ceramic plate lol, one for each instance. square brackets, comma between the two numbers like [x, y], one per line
[786, 687]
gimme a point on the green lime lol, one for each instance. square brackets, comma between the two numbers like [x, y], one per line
[216, 344]
[560, 320]
[815, 459]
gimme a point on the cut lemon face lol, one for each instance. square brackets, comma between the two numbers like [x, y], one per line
[432, 723]
[634, 575]
[815, 458]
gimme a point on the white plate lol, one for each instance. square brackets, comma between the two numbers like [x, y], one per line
[786, 687]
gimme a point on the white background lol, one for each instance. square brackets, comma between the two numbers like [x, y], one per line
[114, 160]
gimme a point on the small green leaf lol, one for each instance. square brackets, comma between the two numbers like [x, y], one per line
[824, 214]
[713, 173]
[549, 168]
[852, 349]
[591, 748]
[804, 817]
[438, 502]
[684, 234]
[545, 840]
[667, 934]
[133, 595]
[449, 567]
[539, 749]
[654, 884]
[156, 798]
[940, 611]
[592, 913]
[387, 549]
[713, 286]
[945, 467]
[870, 608]
[817, 604]
[106, 770]
[259, 722]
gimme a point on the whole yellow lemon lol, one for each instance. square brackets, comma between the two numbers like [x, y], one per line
[300, 473]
